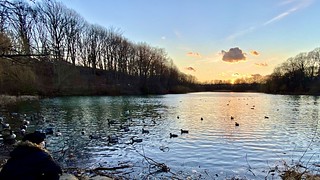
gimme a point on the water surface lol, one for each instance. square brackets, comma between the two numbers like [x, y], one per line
[273, 129]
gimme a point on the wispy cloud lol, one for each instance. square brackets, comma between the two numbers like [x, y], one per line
[241, 33]
[285, 2]
[178, 34]
[255, 53]
[235, 75]
[298, 4]
[280, 16]
[194, 54]
[261, 64]
[190, 69]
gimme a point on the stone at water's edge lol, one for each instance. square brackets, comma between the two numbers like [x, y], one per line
[100, 178]
[66, 176]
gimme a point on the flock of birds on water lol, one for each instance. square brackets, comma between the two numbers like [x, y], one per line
[8, 135]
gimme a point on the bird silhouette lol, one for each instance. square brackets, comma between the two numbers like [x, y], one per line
[173, 135]
[144, 131]
[133, 140]
[184, 131]
[112, 139]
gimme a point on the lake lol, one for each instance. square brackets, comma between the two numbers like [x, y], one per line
[275, 132]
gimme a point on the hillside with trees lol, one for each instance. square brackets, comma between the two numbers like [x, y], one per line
[297, 75]
[49, 49]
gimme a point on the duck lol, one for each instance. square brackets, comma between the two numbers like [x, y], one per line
[201, 119]
[173, 135]
[22, 132]
[178, 117]
[58, 133]
[184, 131]
[231, 117]
[135, 140]
[83, 132]
[112, 139]
[266, 117]
[5, 125]
[94, 136]
[48, 130]
[23, 127]
[236, 124]
[144, 131]
[154, 121]
[111, 121]
[125, 128]
[10, 136]
[25, 122]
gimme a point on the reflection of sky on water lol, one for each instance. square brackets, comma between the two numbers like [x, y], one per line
[214, 145]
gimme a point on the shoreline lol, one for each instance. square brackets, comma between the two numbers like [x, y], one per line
[9, 99]
[12, 99]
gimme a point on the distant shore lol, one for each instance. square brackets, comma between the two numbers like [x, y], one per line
[9, 99]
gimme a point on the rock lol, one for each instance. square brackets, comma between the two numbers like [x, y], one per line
[66, 176]
[100, 178]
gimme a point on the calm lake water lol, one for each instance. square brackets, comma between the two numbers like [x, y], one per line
[273, 130]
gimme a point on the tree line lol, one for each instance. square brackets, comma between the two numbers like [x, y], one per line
[49, 32]
[297, 75]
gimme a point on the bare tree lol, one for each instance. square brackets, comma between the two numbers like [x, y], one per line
[54, 18]
[75, 24]
[22, 18]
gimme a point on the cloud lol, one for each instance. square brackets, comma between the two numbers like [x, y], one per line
[280, 16]
[256, 75]
[233, 55]
[255, 53]
[235, 75]
[178, 34]
[190, 69]
[285, 2]
[297, 5]
[193, 54]
[241, 33]
[261, 64]
[302, 4]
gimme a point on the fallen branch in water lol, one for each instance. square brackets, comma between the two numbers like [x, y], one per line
[161, 167]
[249, 167]
[78, 172]
[111, 168]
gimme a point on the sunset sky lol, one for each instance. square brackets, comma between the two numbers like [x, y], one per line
[213, 39]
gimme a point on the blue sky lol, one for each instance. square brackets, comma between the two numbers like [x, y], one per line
[213, 39]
